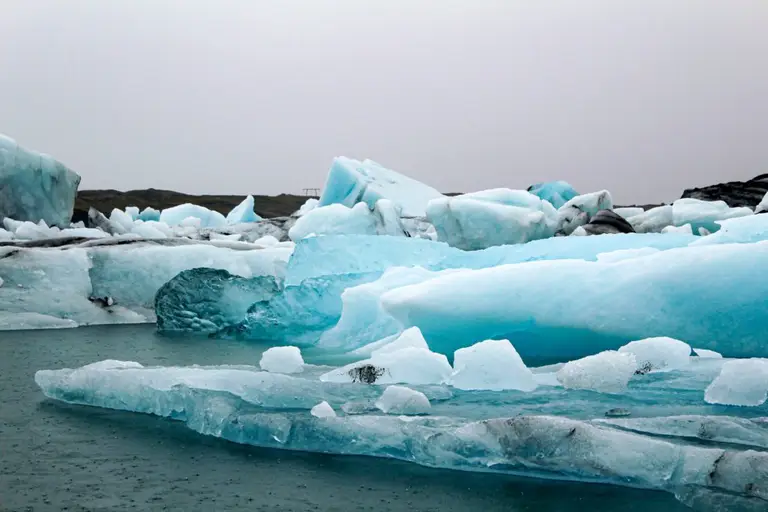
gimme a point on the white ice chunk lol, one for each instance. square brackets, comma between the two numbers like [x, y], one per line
[708, 354]
[606, 372]
[147, 230]
[493, 365]
[625, 254]
[323, 410]
[208, 218]
[351, 181]
[704, 214]
[653, 220]
[685, 229]
[741, 382]
[577, 211]
[122, 219]
[491, 217]
[404, 366]
[133, 211]
[659, 353]
[282, 360]
[753, 228]
[402, 400]
[335, 219]
[763, 206]
[309, 205]
[628, 211]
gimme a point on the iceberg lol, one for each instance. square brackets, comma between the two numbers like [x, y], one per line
[492, 217]
[550, 432]
[351, 181]
[630, 211]
[571, 308]
[741, 382]
[653, 220]
[148, 214]
[243, 212]
[309, 205]
[753, 228]
[704, 214]
[282, 360]
[402, 400]
[763, 206]
[337, 219]
[176, 215]
[404, 366]
[493, 365]
[34, 186]
[579, 210]
[205, 300]
[606, 372]
[661, 353]
[556, 192]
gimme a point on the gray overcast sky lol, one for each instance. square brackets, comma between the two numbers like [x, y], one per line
[640, 97]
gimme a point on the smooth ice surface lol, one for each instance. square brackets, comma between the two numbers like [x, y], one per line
[409, 338]
[676, 443]
[606, 372]
[282, 360]
[205, 300]
[493, 365]
[491, 217]
[556, 192]
[629, 211]
[323, 410]
[704, 214]
[176, 215]
[712, 297]
[752, 228]
[685, 229]
[741, 382]
[35, 186]
[661, 353]
[653, 220]
[711, 354]
[402, 400]
[404, 366]
[243, 212]
[351, 181]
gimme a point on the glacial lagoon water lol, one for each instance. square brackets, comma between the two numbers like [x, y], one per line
[55, 456]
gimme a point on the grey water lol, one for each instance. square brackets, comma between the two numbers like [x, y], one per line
[55, 456]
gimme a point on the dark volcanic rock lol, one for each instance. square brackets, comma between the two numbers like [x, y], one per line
[735, 193]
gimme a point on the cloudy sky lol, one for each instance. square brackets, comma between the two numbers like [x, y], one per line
[643, 97]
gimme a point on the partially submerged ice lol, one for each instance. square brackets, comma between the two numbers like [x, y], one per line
[741, 382]
[493, 365]
[676, 444]
[351, 181]
[35, 186]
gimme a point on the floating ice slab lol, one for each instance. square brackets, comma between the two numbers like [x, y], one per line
[351, 181]
[606, 372]
[704, 214]
[243, 212]
[337, 219]
[661, 353]
[556, 192]
[493, 365]
[34, 186]
[175, 215]
[402, 400]
[491, 217]
[282, 360]
[710, 354]
[741, 382]
[468, 431]
[570, 308]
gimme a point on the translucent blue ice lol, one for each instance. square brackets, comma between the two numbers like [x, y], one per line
[556, 192]
[351, 181]
[149, 214]
[243, 212]
[710, 297]
[34, 186]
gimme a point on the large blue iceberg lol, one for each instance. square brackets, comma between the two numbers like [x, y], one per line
[34, 186]
[556, 192]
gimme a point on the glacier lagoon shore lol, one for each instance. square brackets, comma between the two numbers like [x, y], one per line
[57, 455]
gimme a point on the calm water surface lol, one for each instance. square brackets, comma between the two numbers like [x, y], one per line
[55, 456]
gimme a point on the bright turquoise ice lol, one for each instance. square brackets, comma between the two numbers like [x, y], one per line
[556, 192]
[35, 186]
[243, 212]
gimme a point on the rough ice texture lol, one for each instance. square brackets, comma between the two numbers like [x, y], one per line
[579, 210]
[149, 213]
[653, 220]
[753, 228]
[661, 353]
[556, 192]
[323, 410]
[402, 400]
[34, 186]
[709, 354]
[493, 365]
[176, 215]
[337, 219]
[243, 212]
[491, 217]
[404, 366]
[606, 372]
[307, 207]
[351, 181]
[205, 300]
[741, 382]
[722, 458]
[712, 297]
[282, 360]
[704, 214]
